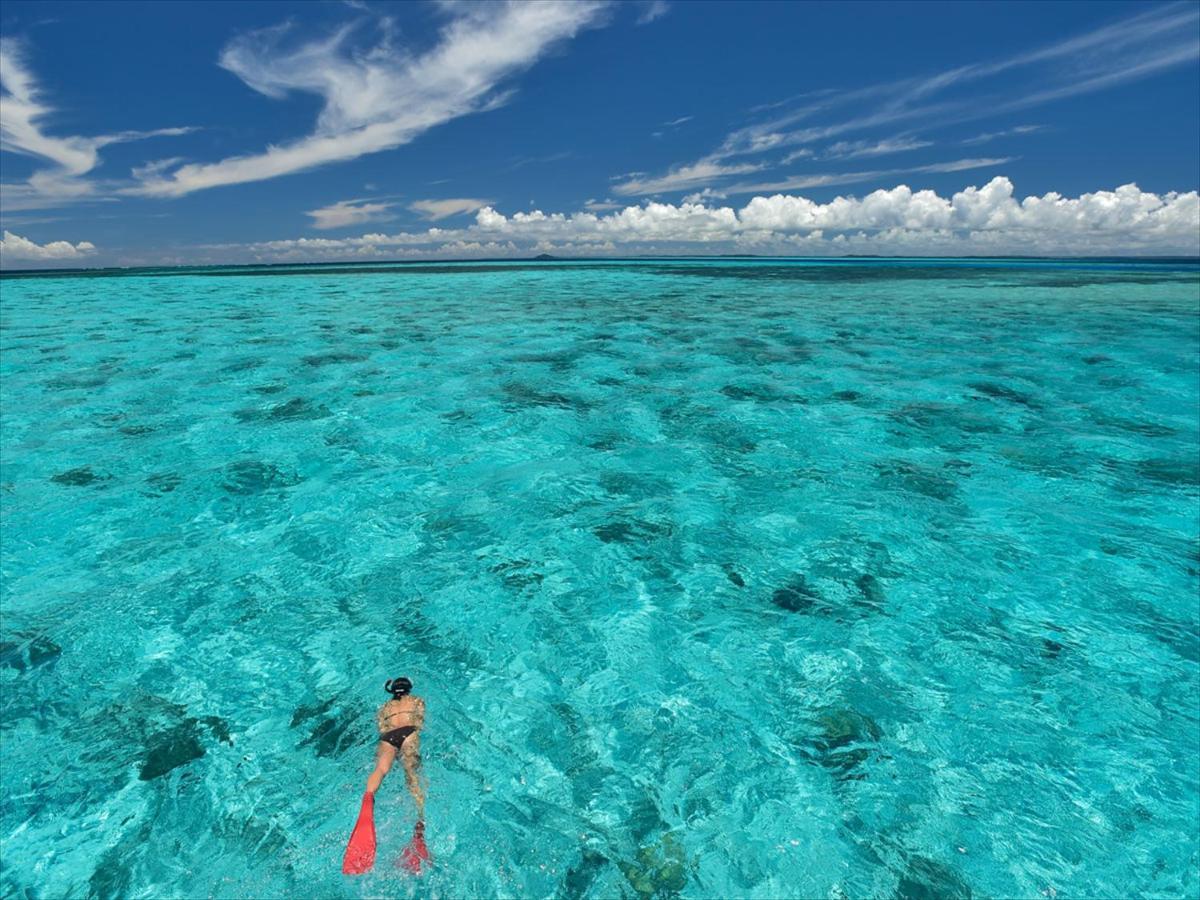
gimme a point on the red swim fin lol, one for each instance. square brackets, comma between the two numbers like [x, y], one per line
[416, 855]
[360, 852]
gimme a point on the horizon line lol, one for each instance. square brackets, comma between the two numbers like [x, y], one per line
[547, 258]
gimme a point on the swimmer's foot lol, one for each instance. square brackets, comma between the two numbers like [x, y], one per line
[360, 851]
[416, 856]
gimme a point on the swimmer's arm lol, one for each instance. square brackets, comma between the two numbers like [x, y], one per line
[380, 718]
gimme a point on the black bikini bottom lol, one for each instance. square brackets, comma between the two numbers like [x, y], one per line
[396, 736]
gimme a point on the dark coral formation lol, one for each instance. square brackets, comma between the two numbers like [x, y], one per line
[253, 477]
[845, 740]
[81, 476]
[799, 596]
[26, 652]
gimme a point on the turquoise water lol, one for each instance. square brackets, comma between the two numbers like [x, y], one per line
[721, 578]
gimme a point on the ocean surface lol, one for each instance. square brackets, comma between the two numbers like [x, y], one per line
[720, 578]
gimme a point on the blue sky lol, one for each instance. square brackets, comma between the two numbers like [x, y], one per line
[141, 133]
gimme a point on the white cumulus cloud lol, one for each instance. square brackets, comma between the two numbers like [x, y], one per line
[706, 194]
[976, 220]
[15, 247]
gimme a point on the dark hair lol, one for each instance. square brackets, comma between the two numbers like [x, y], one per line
[398, 687]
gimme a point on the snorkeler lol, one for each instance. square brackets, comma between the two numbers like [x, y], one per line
[399, 721]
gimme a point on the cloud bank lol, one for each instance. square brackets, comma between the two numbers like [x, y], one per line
[986, 220]
[379, 97]
[14, 247]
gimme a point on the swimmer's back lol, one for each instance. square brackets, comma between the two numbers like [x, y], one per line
[408, 710]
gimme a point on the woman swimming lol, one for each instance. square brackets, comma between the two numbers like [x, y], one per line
[399, 722]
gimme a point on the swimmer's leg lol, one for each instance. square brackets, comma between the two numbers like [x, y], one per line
[410, 755]
[385, 755]
[416, 856]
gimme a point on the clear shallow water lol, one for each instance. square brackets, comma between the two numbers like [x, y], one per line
[720, 578]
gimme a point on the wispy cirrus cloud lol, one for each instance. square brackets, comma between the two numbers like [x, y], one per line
[682, 178]
[834, 179]
[802, 153]
[987, 136]
[154, 167]
[962, 165]
[444, 209]
[884, 147]
[377, 97]
[674, 123]
[651, 10]
[1127, 50]
[594, 205]
[1133, 48]
[345, 213]
[523, 161]
[23, 115]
